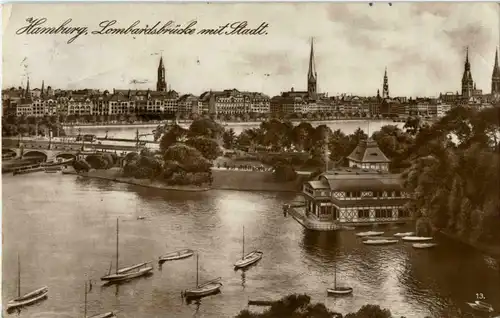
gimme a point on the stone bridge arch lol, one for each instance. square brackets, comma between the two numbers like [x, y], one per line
[34, 154]
[65, 155]
[10, 152]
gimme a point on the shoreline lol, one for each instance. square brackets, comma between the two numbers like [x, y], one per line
[483, 248]
[228, 124]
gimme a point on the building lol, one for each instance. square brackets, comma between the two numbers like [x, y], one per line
[312, 76]
[367, 155]
[495, 78]
[467, 81]
[161, 82]
[353, 196]
[385, 86]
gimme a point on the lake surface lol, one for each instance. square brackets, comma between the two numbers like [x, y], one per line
[347, 126]
[63, 228]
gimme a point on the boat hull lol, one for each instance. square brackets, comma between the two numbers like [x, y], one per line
[203, 291]
[339, 291]
[127, 276]
[370, 233]
[105, 315]
[380, 242]
[416, 239]
[480, 307]
[404, 234]
[176, 256]
[25, 301]
[424, 245]
[249, 259]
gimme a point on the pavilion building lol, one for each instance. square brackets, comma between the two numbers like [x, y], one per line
[362, 194]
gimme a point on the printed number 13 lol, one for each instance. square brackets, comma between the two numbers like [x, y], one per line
[479, 296]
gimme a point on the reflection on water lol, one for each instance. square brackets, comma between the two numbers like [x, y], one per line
[63, 227]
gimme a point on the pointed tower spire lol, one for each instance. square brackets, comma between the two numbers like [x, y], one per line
[467, 81]
[385, 87]
[312, 76]
[495, 77]
[467, 64]
[43, 89]
[27, 93]
[496, 58]
[161, 83]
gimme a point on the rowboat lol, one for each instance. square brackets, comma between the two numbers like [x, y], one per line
[29, 298]
[58, 162]
[376, 238]
[416, 238]
[369, 233]
[481, 306]
[248, 259]
[105, 315]
[424, 245]
[380, 242]
[404, 234]
[211, 287]
[126, 273]
[338, 290]
[181, 254]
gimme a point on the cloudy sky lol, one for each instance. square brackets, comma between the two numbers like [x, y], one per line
[421, 44]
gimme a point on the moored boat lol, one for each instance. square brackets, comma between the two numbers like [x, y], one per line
[247, 259]
[58, 162]
[377, 238]
[29, 298]
[379, 242]
[424, 245]
[105, 315]
[404, 234]
[480, 306]
[211, 287]
[369, 233]
[126, 273]
[181, 254]
[338, 290]
[416, 238]
[27, 169]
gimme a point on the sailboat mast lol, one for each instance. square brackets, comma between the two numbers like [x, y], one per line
[335, 275]
[85, 304]
[243, 252]
[117, 241]
[18, 276]
[196, 270]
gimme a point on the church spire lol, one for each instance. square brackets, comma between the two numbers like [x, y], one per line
[27, 93]
[161, 84]
[312, 76]
[467, 81]
[495, 77]
[385, 87]
[43, 89]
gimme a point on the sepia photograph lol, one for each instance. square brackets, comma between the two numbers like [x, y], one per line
[251, 160]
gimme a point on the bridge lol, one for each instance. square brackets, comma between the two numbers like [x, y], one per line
[51, 150]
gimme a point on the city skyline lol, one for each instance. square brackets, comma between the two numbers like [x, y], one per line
[361, 45]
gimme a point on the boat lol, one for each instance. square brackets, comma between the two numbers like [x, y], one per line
[424, 245]
[105, 315]
[248, 259]
[379, 242]
[53, 169]
[27, 169]
[416, 238]
[181, 254]
[29, 298]
[211, 287]
[338, 290]
[58, 162]
[369, 233]
[481, 306]
[377, 238]
[125, 273]
[404, 234]
[141, 217]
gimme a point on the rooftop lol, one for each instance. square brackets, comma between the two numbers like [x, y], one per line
[367, 151]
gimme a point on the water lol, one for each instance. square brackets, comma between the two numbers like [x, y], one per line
[63, 228]
[347, 126]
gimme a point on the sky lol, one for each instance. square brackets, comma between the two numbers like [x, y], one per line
[421, 44]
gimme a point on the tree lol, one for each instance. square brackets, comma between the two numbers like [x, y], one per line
[205, 127]
[339, 145]
[284, 172]
[208, 147]
[189, 158]
[229, 138]
[175, 134]
[302, 136]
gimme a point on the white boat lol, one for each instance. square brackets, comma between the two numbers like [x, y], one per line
[379, 242]
[29, 298]
[404, 234]
[181, 254]
[248, 259]
[416, 238]
[125, 273]
[424, 245]
[481, 306]
[369, 233]
[211, 287]
[338, 290]
[105, 315]
[376, 238]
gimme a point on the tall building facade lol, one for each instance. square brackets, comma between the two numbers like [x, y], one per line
[495, 77]
[467, 81]
[161, 83]
[385, 88]
[312, 76]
